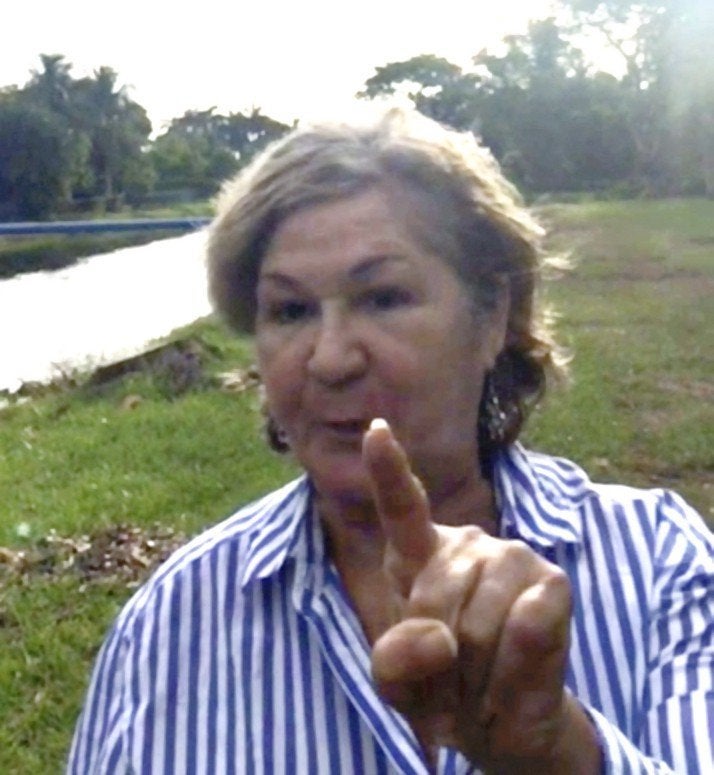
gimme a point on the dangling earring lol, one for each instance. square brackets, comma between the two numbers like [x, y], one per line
[283, 438]
[277, 438]
[493, 417]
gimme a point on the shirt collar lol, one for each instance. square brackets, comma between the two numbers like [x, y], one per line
[280, 530]
[539, 496]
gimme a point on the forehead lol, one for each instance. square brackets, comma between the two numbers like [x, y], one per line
[364, 238]
[371, 222]
[376, 204]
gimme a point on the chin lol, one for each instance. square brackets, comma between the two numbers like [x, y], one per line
[344, 483]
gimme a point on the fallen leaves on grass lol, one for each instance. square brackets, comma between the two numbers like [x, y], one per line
[239, 380]
[119, 553]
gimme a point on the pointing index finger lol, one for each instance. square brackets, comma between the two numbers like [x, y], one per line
[400, 498]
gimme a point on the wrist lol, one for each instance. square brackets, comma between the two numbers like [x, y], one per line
[577, 751]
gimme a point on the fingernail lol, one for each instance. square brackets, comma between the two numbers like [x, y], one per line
[377, 423]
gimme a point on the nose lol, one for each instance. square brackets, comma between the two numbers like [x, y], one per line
[338, 356]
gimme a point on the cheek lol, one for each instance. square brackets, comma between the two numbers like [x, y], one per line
[433, 354]
[447, 372]
[281, 375]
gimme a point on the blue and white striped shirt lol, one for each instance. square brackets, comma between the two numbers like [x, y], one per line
[242, 653]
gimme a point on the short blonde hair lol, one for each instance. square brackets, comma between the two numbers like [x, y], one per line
[469, 215]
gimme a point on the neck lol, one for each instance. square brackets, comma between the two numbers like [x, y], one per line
[468, 501]
[353, 528]
[356, 543]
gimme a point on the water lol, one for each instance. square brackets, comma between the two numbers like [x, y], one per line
[103, 309]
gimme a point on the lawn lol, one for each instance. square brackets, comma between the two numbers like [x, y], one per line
[636, 311]
[99, 483]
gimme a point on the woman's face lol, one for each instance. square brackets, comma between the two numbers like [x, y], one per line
[355, 321]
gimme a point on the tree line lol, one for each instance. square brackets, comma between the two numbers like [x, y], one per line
[556, 122]
[69, 144]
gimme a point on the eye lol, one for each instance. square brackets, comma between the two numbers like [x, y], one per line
[288, 311]
[387, 298]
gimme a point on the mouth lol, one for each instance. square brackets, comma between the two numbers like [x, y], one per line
[351, 428]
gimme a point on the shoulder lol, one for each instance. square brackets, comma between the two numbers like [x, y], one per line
[172, 622]
[221, 555]
[648, 520]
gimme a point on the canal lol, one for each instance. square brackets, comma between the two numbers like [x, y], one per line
[102, 309]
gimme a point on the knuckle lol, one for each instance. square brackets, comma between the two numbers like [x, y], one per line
[426, 601]
[471, 533]
[457, 539]
[517, 551]
[551, 576]
[438, 591]
[557, 584]
[481, 628]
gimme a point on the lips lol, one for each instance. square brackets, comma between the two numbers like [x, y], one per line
[346, 426]
[347, 430]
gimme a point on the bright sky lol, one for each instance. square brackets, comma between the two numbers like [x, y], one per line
[292, 58]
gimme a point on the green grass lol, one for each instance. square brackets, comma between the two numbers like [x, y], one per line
[76, 461]
[636, 311]
[48, 638]
[72, 466]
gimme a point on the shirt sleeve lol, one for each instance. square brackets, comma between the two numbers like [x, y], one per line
[99, 743]
[677, 730]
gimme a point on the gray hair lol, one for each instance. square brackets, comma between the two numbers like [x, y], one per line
[469, 215]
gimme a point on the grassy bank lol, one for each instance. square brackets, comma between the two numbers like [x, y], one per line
[636, 311]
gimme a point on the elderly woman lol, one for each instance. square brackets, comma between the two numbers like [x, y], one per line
[429, 596]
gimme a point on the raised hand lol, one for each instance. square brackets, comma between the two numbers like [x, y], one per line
[475, 657]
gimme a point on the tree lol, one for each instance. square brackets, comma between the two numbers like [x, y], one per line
[552, 124]
[102, 132]
[248, 134]
[54, 91]
[190, 163]
[631, 28]
[690, 93]
[52, 86]
[664, 46]
[36, 160]
[202, 148]
[192, 155]
[117, 127]
[436, 87]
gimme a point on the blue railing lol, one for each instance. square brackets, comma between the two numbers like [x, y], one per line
[86, 227]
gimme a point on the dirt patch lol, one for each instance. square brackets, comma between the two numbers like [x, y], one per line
[702, 241]
[698, 389]
[119, 553]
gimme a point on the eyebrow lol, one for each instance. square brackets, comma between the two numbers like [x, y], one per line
[363, 271]
[370, 266]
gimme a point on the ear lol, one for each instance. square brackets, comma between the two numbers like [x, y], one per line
[496, 329]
